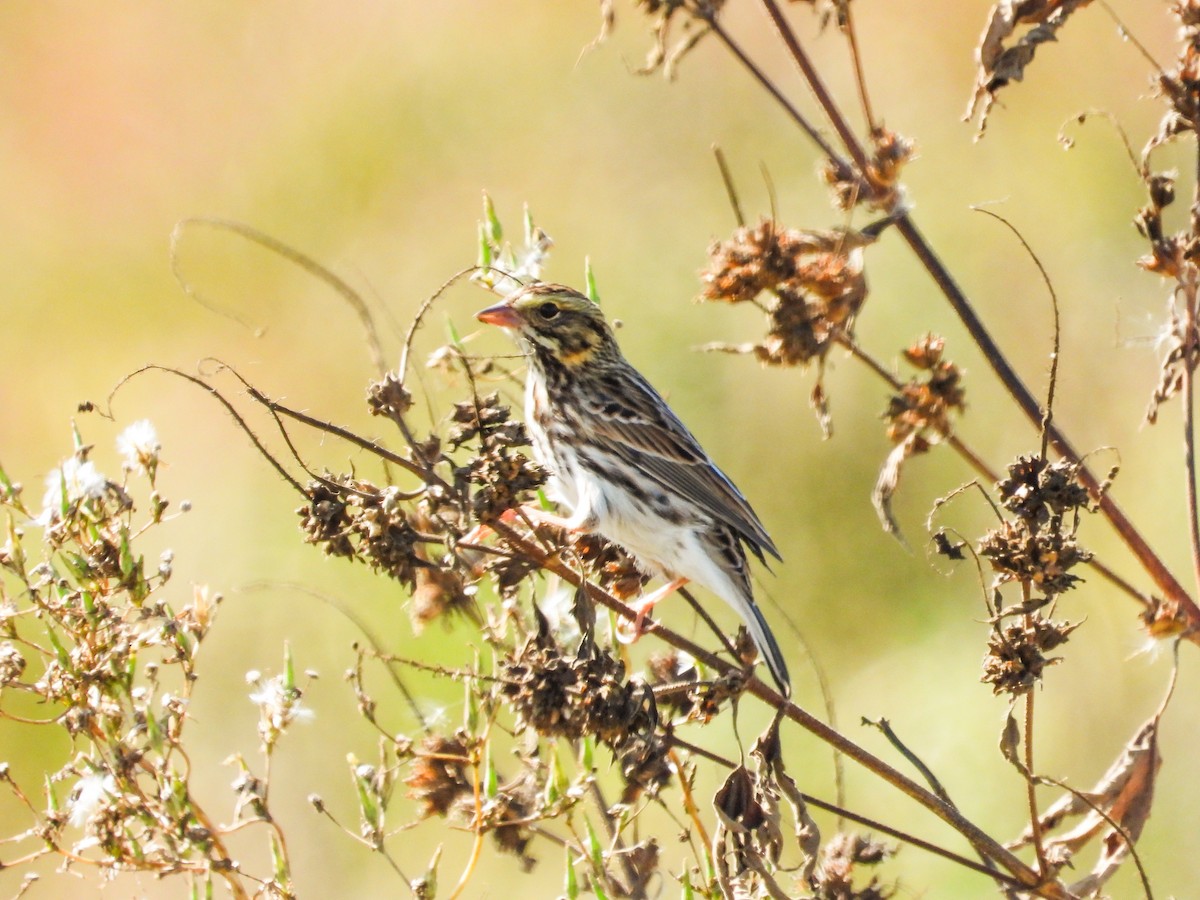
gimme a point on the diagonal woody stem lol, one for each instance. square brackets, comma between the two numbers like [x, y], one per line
[982, 842]
[1162, 577]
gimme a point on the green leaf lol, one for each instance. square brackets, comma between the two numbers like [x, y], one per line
[289, 668]
[492, 785]
[572, 881]
[495, 231]
[589, 277]
[485, 250]
[51, 795]
[454, 337]
[279, 862]
[586, 753]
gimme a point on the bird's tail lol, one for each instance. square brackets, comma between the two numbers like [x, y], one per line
[768, 647]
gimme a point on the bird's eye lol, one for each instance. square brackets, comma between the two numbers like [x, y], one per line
[547, 310]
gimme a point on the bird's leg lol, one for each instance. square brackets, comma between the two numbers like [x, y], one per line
[643, 606]
[532, 514]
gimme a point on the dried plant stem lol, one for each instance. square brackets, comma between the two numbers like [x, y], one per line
[1189, 387]
[917, 842]
[860, 80]
[634, 887]
[1189, 433]
[841, 813]
[771, 88]
[1035, 822]
[817, 86]
[689, 798]
[982, 842]
[1132, 538]
[976, 462]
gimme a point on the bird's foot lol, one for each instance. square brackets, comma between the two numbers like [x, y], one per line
[627, 635]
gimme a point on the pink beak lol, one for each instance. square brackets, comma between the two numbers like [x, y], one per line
[501, 314]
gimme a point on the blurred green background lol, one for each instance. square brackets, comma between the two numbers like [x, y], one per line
[363, 135]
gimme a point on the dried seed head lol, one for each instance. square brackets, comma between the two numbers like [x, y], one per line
[438, 593]
[880, 190]
[362, 521]
[1163, 619]
[12, 664]
[926, 404]
[504, 814]
[817, 279]
[1016, 657]
[440, 773]
[834, 878]
[388, 397]
[614, 569]
[488, 417]
[1043, 558]
[1036, 489]
[504, 479]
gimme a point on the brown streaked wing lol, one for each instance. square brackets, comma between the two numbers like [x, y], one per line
[639, 427]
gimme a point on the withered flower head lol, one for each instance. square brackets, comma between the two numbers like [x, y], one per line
[438, 593]
[1021, 552]
[840, 858]
[614, 569]
[926, 404]
[880, 189]
[439, 774]
[816, 278]
[504, 479]
[388, 397]
[1016, 657]
[358, 520]
[1035, 489]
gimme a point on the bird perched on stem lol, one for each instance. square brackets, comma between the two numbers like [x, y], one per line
[625, 465]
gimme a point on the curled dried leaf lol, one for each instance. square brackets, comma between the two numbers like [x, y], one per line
[1000, 61]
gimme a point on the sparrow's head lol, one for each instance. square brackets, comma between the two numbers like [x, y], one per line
[556, 321]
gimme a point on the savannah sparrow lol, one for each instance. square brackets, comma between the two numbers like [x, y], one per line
[624, 464]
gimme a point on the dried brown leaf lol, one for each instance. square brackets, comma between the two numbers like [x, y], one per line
[1123, 796]
[1010, 743]
[1000, 62]
[889, 481]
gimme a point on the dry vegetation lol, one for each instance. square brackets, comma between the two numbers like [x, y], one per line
[551, 695]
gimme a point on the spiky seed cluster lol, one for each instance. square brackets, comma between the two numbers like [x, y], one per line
[441, 780]
[499, 477]
[1016, 654]
[439, 774]
[356, 519]
[927, 404]
[880, 189]
[1041, 558]
[840, 862]
[816, 279]
[503, 479]
[573, 696]
[1036, 549]
[489, 417]
[613, 568]
[1036, 490]
[389, 398]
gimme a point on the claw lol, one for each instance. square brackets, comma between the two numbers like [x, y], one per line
[643, 607]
